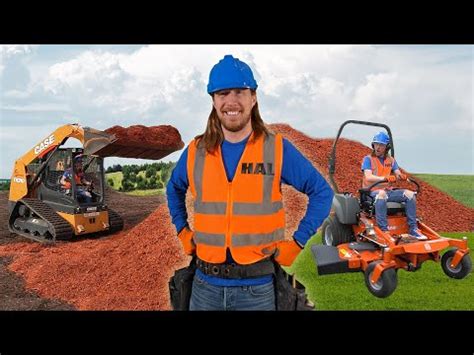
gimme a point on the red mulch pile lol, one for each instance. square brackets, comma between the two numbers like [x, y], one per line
[126, 271]
[158, 137]
[130, 270]
[437, 209]
[144, 142]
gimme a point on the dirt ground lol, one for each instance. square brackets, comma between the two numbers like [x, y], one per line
[14, 295]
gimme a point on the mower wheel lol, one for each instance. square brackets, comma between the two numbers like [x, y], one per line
[334, 232]
[461, 270]
[385, 285]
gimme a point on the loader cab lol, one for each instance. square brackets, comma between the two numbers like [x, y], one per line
[60, 183]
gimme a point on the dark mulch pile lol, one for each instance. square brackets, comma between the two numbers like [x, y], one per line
[13, 294]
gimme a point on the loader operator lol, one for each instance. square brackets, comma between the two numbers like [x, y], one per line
[81, 183]
[379, 166]
[234, 171]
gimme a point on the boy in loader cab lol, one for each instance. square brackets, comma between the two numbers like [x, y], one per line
[82, 193]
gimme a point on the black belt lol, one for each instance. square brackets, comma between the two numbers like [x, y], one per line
[236, 271]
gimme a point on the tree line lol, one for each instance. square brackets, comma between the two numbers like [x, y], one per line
[152, 180]
[4, 184]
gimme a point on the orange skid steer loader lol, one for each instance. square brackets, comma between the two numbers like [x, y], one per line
[352, 241]
[43, 206]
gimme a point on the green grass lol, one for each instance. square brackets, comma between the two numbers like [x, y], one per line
[460, 187]
[426, 289]
[116, 177]
[145, 192]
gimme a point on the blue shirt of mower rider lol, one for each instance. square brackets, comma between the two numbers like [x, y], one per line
[297, 171]
[81, 192]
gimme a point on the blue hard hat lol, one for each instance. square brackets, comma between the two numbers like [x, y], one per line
[230, 73]
[381, 138]
[78, 158]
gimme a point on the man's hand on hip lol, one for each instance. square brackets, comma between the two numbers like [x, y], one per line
[287, 251]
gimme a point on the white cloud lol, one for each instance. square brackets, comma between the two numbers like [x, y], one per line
[7, 51]
[13, 52]
[90, 73]
[417, 90]
[37, 107]
[372, 98]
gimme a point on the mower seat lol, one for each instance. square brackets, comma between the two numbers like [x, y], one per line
[367, 204]
[395, 207]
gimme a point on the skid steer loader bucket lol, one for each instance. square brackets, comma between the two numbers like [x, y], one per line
[95, 140]
[136, 141]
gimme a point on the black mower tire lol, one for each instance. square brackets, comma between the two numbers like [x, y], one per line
[386, 284]
[334, 232]
[459, 272]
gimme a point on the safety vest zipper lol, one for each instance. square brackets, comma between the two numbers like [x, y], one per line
[229, 214]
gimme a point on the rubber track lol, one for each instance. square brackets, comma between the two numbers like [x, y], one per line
[59, 228]
[115, 221]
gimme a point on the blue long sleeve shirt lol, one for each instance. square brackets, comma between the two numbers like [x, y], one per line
[297, 171]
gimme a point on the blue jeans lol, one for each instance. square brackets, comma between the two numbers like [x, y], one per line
[84, 196]
[207, 297]
[394, 196]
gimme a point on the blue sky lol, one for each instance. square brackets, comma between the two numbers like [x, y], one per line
[424, 93]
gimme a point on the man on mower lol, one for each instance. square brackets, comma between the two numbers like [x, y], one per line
[81, 183]
[379, 166]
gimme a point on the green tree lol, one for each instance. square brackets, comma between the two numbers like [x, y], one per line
[126, 172]
[152, 183]
[165, 175]
[141, 185]
[150, 171]
[127, 185]
[5, 186]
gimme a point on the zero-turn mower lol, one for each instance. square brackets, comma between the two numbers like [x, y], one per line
[352, 241]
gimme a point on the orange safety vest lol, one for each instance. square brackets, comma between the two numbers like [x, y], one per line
[245, 215]
[78, 179]
[380, 170]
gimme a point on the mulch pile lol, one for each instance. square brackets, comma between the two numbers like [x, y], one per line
[159, 137]
[437, 209]
[126, 271]
[144, 142]
[130, 270]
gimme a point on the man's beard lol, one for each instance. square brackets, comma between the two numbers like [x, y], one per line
[234, 127]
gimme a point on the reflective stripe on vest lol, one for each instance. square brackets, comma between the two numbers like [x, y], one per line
[240, 240]
[379, 170]
[219, 225]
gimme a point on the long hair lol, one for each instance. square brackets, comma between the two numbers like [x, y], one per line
[214, 136]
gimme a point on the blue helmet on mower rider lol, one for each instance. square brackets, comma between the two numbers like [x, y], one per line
[230, 73]
[381, 138]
